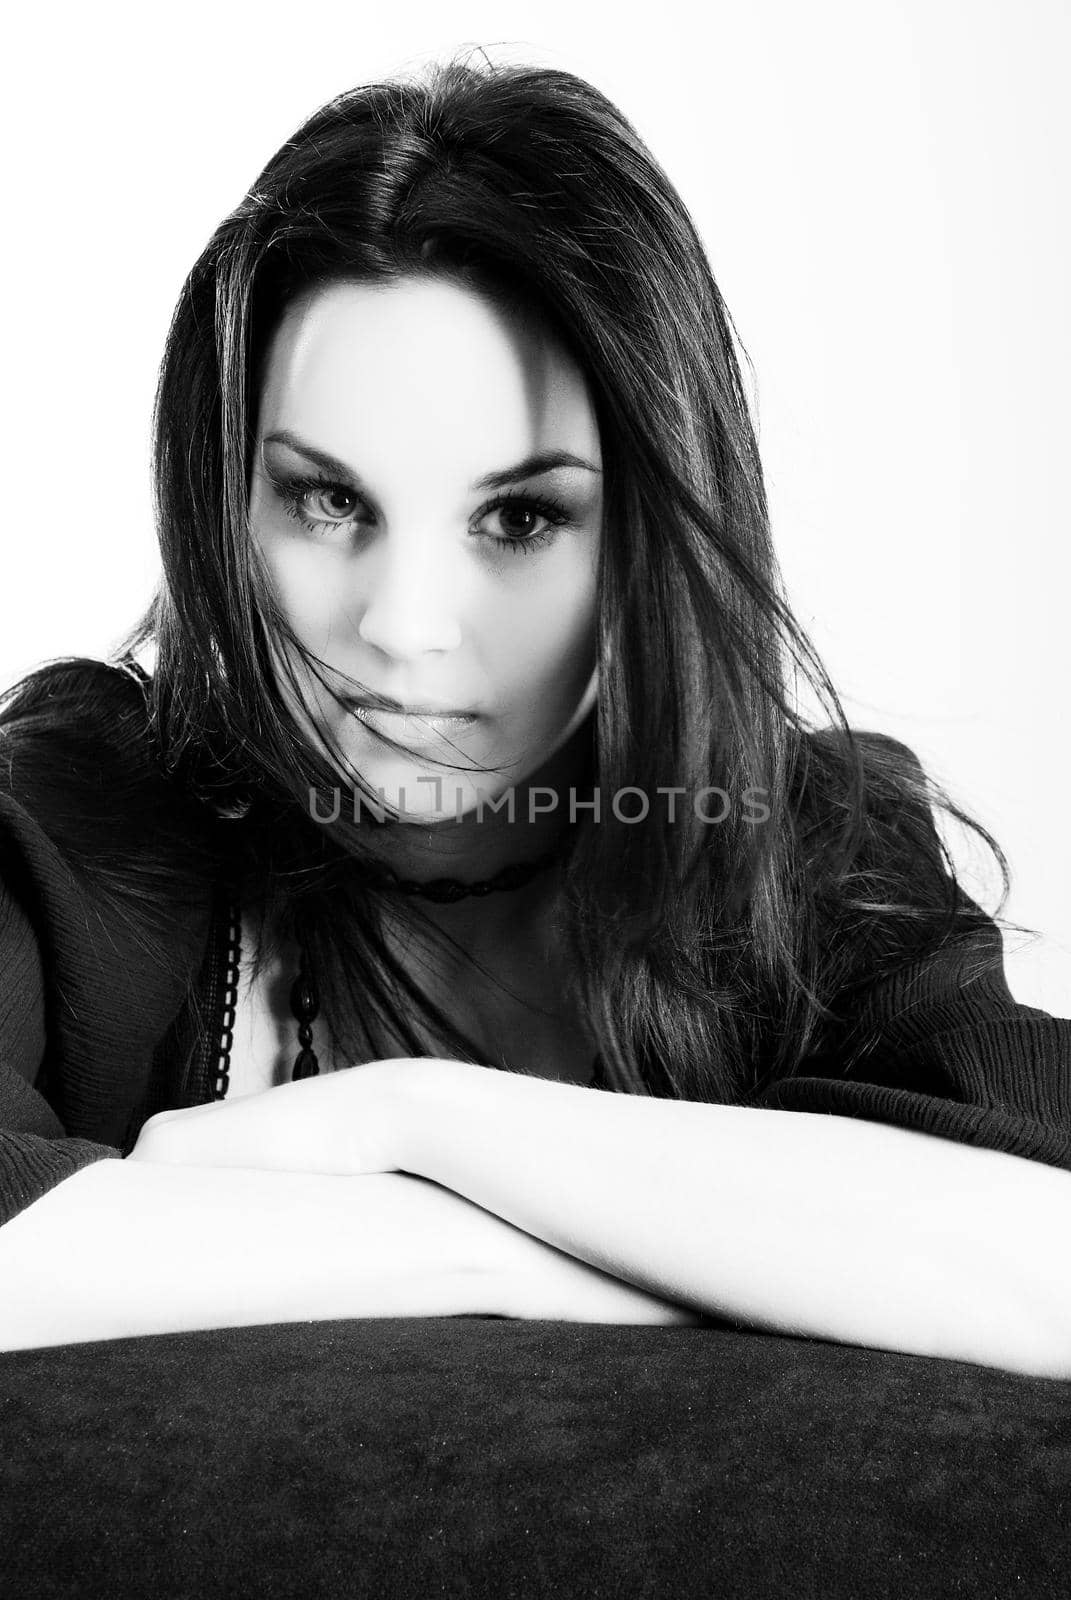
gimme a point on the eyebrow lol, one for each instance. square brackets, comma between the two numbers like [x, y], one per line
[531, 467]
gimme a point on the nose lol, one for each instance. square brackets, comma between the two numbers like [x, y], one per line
[409, 600]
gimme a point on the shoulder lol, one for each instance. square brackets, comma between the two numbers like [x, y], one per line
[76, 728]
[95, 709]
[107, 887]
[883, 887]
[73, 746]
[868, 806]
[83, 794]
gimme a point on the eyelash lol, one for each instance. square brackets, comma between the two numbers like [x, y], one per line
[292, 492]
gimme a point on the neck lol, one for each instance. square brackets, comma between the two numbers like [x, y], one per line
[475, 847]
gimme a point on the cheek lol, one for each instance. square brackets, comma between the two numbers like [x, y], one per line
[308, 592]
[543, 641]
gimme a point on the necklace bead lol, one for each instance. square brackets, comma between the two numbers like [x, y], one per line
[304, 1000]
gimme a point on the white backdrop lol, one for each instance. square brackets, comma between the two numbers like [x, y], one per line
[883, 193]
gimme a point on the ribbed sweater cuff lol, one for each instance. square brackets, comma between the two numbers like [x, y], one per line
[987, 1127]
[31, 1165]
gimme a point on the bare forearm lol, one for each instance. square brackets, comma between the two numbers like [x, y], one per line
[131, 1247]
[817, 1225]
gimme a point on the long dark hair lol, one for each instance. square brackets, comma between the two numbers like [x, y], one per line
[707, 958]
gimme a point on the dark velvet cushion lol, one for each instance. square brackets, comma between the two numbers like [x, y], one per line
[486, 1457]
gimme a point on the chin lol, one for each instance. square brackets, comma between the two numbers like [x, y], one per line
[399, 788]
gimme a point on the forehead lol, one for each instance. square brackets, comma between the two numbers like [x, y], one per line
[370, 366]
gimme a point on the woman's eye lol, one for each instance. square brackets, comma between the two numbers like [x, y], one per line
[317, 503]
[333, 504]
[519, 516]
[519, 522]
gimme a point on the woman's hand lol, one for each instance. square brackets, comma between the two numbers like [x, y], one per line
[361, 1121]
[349, 1122]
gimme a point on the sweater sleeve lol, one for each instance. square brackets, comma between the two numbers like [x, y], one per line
[105, 896]
[942, 1047]
[35, 1151]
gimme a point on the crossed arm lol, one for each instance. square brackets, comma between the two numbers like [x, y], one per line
[809, 1224]
[459, 1189]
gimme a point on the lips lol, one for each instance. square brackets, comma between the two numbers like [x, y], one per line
[413, 727]
[395, 708]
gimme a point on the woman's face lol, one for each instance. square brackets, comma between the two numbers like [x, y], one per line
[386, 412]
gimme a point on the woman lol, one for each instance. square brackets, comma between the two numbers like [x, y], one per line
[469, 745]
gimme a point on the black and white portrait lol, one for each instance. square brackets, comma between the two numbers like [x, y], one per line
[535, 962]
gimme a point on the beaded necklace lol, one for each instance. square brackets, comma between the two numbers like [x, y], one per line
[304, 998]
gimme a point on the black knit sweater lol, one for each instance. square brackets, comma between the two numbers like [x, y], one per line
[114, 919]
